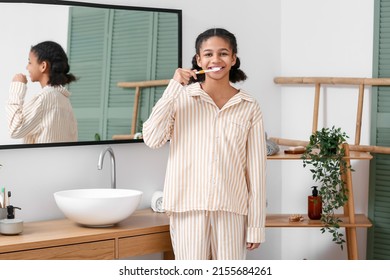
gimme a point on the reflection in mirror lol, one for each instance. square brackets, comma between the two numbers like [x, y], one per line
[107, 46]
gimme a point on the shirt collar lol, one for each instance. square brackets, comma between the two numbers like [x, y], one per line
[61, 89]
[195, 90]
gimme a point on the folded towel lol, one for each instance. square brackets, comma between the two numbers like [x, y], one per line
[272, 147]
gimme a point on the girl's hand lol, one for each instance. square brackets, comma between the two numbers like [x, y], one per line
[20, 78]
[252, 246]
[183, 75]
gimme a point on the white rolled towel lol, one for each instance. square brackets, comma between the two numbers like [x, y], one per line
[156, 204]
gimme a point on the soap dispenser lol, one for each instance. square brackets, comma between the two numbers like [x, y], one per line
[314, 209]
[11, 226]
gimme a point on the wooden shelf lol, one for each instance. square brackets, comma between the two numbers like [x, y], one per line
[282, 220]
[123, 137]
[353, 156]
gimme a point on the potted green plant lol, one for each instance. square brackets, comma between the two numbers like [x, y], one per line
[325, 155]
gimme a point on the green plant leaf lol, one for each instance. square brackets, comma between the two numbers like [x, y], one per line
[325, 155]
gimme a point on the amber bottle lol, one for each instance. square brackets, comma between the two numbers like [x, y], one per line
[314, 205]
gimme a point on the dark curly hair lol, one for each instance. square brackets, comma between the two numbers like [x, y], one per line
[236, 74]
[55, 56]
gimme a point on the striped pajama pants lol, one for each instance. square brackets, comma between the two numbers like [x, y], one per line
[204, 235]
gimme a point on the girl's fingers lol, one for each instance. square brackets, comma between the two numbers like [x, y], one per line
[252, 246]
[183, 75]
[20, 78]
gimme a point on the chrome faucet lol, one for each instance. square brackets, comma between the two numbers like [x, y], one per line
[113, 169]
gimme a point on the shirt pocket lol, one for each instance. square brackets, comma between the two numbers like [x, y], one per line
[239, 130]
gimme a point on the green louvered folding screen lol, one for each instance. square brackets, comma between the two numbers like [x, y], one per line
[111, 46]
[86, 49]
[378, 246]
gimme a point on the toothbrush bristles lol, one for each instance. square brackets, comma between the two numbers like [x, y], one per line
[214, 69]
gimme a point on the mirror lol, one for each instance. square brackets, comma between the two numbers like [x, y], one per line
[106, 45]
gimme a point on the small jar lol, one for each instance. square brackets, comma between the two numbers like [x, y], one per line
[11, 226]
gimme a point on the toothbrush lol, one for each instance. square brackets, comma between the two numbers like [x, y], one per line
[8, 200]
[214, 69]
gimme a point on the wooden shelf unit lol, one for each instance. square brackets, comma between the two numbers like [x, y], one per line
[355, 151]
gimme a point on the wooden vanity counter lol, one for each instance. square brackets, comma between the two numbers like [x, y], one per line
[144, 232]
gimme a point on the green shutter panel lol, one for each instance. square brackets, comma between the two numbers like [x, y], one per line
[165, 59]
[132, 38]
[378, 246]
[86, 51]
[167, 47]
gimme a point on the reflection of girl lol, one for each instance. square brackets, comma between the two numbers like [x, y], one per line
[48, 117]
[214, 188]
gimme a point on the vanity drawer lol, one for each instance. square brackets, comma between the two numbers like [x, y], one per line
[144, 244]
[100, 250]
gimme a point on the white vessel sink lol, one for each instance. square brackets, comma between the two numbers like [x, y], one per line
[98, 207]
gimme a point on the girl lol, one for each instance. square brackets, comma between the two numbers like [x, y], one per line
[48, 117]
[214, 188]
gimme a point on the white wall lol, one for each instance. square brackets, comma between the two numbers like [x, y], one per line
[20, 29]
[274, 38]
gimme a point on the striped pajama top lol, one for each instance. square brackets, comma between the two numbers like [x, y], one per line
[217, 157]
[48, 117]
